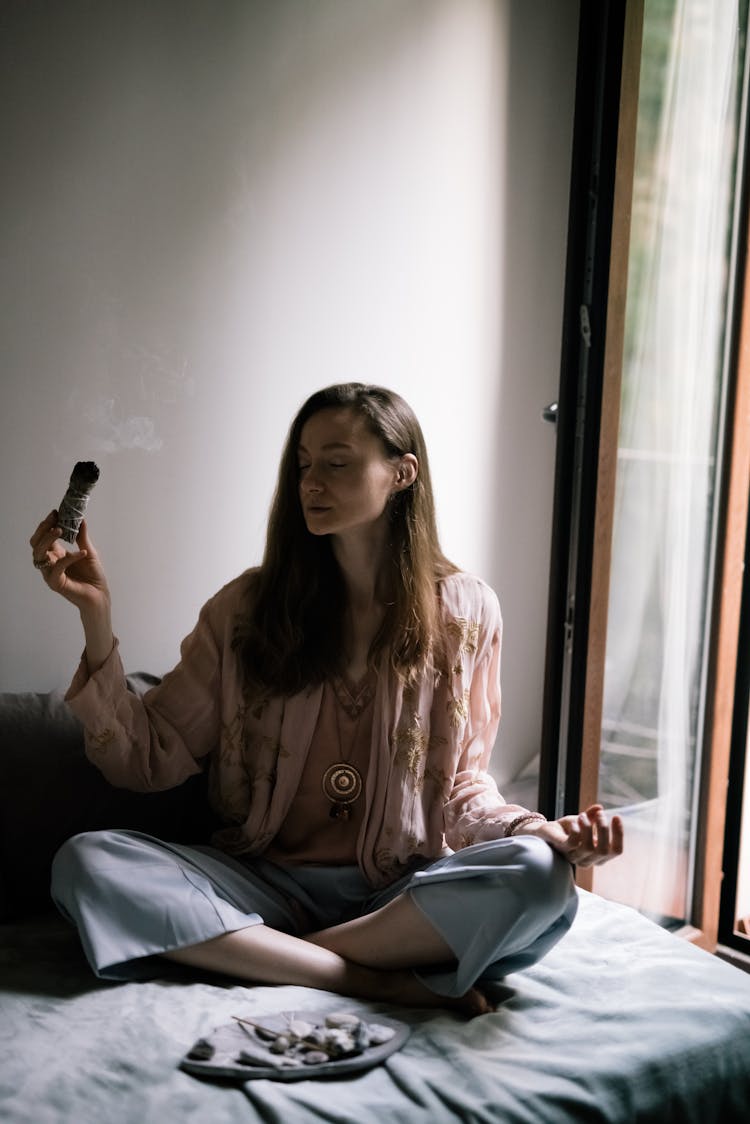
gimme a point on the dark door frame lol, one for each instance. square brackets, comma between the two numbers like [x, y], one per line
[588, 418]
[592, 193]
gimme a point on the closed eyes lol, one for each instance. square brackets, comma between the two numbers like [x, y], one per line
[331, 464]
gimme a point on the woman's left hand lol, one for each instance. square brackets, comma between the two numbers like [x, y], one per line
[586, 839]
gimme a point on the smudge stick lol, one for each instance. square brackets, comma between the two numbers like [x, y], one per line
[73, 506]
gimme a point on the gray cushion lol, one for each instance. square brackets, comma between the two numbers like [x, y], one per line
[49, 791]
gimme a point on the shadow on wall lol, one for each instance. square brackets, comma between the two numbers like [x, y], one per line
[540, 137]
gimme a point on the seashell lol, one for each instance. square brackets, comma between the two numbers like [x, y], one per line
[378, 1033]
[339, 1042]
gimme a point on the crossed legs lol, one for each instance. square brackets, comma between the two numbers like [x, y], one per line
[370, 957]
[501, 904]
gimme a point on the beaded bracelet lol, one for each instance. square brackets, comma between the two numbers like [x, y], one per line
[522, 820]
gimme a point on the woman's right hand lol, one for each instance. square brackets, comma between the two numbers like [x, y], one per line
[76, 575]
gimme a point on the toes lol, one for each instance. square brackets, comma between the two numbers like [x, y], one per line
[475, 1002]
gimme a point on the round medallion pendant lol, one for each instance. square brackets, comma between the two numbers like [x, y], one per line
[342, 783]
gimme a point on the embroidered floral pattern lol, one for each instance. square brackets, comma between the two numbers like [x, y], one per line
[410, 744]
[244, 764]
[465, 632]
[275, 748]
[232, 734]
[420, 731]
[258, 707]
[386, 861]
[104, 737]
[458, 709]
[439, 778]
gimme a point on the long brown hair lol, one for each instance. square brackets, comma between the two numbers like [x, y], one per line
[289, 635]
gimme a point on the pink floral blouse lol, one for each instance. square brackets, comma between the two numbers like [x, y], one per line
[427, 784]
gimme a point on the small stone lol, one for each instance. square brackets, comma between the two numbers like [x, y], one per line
[342, 1019]
[315, 1057]
[202, 1051]
[280, 1045]
[339, 1042]
[379, 1034]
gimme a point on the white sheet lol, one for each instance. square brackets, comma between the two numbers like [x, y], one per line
[621, 1022]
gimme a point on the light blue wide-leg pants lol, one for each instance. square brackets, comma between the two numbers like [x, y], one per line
[500, 905]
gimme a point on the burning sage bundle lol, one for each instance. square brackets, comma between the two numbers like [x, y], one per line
[73, 506]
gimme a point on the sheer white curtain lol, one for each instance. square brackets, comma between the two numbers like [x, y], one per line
[666, 457]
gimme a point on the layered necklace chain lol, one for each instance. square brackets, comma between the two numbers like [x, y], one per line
[342, 782]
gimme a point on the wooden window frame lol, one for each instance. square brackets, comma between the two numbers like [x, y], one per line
[702, 927]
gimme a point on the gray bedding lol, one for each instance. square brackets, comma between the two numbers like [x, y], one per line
[621, 1022]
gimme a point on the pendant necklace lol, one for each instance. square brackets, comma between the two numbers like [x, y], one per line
[342, 782]
[342, 785]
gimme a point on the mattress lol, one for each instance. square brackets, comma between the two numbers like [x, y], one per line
[620, 1022]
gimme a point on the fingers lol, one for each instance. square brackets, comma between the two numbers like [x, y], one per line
[49, 555]
[46, 523]
[49, 531]
[64, 563]
[46, 531]
[83, 540]
[45, 548]
[617, 835]
[58, 562]
[592, 838]
[600, 834]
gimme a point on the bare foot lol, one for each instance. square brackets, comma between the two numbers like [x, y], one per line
[408, 991]
[475, 1002]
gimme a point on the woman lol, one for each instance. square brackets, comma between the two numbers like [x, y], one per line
[344, 697]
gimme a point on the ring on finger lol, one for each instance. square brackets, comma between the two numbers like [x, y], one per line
[42, 563]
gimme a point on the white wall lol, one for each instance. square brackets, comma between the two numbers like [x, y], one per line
[213, 209]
